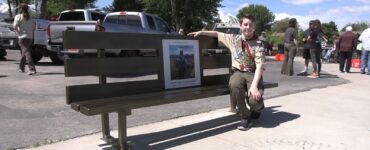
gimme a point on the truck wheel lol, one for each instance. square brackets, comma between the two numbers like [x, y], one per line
[2, 54]
[55, 58]
[36, 56]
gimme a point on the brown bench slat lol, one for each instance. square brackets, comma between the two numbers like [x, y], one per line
[111, 66]
[77, 93]
[110, 40]
[218, 61]
[267, 84]
[215, 80]
[106, 105]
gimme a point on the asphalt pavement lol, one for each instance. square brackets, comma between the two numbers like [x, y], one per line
[33, 111]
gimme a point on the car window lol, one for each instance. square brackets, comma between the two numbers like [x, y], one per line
[131, 20]
[95, 16]
[150, 22]
[72, 16]
[111, 19]
[162, 26]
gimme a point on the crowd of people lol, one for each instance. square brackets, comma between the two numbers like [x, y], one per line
[313, 39]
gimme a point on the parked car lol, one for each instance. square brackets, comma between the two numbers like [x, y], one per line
[130, 22]
[9, 39]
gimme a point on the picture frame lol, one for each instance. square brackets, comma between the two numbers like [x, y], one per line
[181, 63]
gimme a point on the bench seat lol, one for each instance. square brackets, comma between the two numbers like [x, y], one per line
[115, 104]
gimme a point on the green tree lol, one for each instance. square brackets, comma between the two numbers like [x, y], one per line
[191, 15]
[56, 6]
[359, 26]
[126, 5]
[264, 17]
[330, 29]
[280, 26]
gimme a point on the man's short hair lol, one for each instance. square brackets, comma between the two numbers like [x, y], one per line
[247, 16]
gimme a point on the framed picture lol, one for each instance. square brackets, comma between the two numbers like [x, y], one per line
[181, 63]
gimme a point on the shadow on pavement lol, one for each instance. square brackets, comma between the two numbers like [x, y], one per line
[271, 117]
[2, 76]
[186, 134]
[327, 75]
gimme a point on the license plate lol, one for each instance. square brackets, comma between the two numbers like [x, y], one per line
[218, 50]
[73, 50]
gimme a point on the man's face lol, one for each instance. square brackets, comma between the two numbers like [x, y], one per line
[247, 27]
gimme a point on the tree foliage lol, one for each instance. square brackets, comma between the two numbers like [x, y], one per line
[191, 15]
[280, 26]
[330, 29]
[359, 26]
[264, 17]
[56, 6]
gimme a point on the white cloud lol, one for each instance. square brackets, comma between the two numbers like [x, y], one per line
[302, 2]
[364, 1]
[341, 16]
[241, 6]
[224, 16]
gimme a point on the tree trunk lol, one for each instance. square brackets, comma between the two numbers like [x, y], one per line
[10, 9]
[175, 15]
[16, 5]
[43, 14]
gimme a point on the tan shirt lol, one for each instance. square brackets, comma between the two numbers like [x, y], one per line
[25, 26]
[239, 59]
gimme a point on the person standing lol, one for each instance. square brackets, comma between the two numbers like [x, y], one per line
[25, 28]
[290, 47]
[347, 44]
[315, 49]
[365, 56]
[306, 49]
[248, 58]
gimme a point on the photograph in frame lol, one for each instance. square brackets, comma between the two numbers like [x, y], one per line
[181, 63]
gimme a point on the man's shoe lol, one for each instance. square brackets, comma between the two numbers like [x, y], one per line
[362, 71]
[255, 115]
[31, 72]
[303, 73]
[341, 71]
[21, 71]
[245, 124]
[314, 75]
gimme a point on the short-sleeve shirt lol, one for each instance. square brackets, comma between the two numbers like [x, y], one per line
[306, 34]
[365, 38]
[290, 35]
[239, 58]
[25, 26]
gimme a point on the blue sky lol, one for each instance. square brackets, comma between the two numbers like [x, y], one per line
[341, 12]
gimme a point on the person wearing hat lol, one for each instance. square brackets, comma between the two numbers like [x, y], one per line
[25, 28]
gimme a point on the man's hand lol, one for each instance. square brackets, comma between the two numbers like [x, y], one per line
[255, 93]
[194, 34]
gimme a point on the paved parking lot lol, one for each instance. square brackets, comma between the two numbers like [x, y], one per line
[33, 109]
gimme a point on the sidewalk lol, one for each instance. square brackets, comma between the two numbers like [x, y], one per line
[332, 118]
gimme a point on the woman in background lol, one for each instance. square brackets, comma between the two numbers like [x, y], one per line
[290, 47]
[25, 28]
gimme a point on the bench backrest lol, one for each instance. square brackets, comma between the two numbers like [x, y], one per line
[106, 66]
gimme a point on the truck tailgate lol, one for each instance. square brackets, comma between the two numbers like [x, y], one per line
[56, 29]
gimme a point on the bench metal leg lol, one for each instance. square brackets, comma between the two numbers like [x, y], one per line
[105, 129]
[122, 130]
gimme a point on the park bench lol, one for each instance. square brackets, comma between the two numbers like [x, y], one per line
[121, 97]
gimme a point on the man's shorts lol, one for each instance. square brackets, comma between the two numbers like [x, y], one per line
[306, 53]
